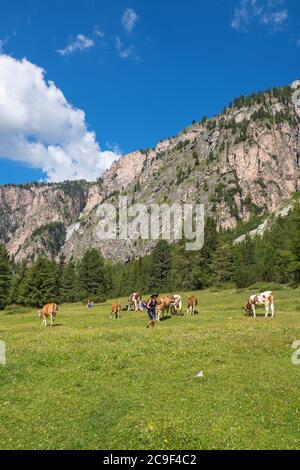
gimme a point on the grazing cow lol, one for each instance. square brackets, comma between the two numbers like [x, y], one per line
[115, 311]
[266, 299]
[192, 304]
[163, 306]
[48, 311]
[176, 307]
[136, 299]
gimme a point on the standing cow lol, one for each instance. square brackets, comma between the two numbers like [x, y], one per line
[176, 307]
[266, 299]
[192, 304]
[136, 299]
[163, 306]
[48, 311]
[115, 311]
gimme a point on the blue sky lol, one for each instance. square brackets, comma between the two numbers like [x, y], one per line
[140, 70]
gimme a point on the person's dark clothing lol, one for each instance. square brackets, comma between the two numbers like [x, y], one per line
[151, 307]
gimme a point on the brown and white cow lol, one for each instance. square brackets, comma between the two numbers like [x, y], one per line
[115, 311]
[164, 304]
[192, 304]
[176, 307]
[266, 299]
[136, 299]
[48, 311]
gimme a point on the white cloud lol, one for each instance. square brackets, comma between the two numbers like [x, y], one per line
[129, 19]
[40, 128]
[265, 12]
[275, 19]
[80, 43]
[126, 52]
[98, 32]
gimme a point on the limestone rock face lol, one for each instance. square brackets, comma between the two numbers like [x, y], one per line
[34, 217]
[123, 172]
[244, 161]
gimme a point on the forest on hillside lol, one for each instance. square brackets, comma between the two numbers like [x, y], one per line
[271, 259]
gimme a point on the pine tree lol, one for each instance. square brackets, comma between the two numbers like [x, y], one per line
[40, 285]
[295, 243]
[204, 258]
[17, 285]
[188, 277]
[110, 288]
[59, 272]
[123, 286]
[92, 276]
[222, 265]
[68, 283]
[244, 263]
[5, 276]
[62, 262]
[160, 267]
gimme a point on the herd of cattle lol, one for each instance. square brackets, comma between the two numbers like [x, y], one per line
[165, 305]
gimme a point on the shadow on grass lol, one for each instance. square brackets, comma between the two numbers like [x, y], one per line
[166, 318]
[195, 313]
[258, 315]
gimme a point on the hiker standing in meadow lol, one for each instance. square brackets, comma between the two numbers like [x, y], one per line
[151, 307]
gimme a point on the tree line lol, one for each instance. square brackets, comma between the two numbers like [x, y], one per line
[272, 258]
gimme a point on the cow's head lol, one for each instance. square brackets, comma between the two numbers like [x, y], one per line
[248, 308]
[39, 313]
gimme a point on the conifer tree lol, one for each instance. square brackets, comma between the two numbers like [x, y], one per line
[5, 276]
[68, 283]
[92, 276]
[295, 243]
[62, 262]
[222, 265]
[40, 286]
[244, 263]
[160, 267]
[17, 285]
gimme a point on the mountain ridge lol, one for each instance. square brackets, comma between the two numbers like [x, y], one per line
[234, 163]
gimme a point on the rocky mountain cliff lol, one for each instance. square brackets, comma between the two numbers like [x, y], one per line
[244, 161]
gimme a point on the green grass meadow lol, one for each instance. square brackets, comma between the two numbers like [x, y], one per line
[95, 383]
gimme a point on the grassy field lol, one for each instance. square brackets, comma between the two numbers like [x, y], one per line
[95, 383]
